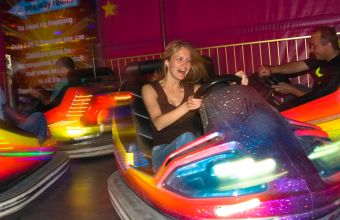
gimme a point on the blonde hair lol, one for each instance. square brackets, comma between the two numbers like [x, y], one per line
[197, 71]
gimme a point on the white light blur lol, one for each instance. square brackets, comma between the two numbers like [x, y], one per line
[227, 210]
[244, 168]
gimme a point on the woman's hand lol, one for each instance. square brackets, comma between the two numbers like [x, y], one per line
[193, 103]
[243, 76]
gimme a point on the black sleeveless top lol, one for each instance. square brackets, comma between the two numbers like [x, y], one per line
[184, 124]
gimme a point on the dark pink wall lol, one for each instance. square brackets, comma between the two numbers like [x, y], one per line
[217, 22]
[136, 28]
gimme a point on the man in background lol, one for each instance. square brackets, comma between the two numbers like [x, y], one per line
[65, 67]
[325, 62]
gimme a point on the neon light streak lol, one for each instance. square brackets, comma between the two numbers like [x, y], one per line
[6, 148]
[25, 154]
[75, 131]
[79, 105]
[321, 151]
[61, 123]
[122, 97]
[227, 210]
[244, 169]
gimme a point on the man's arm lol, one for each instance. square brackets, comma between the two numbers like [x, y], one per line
[288, 68]
[40, 96]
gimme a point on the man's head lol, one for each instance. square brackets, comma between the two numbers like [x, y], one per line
[324, 43]
[64, 66]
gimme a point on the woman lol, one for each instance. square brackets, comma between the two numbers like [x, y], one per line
[169, 100]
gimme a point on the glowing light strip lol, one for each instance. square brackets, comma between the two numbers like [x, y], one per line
[74, 115]
[325, 150]
[83, 96]
[6, 148]
[80, 107]
[3, 141]
[122, 97]
[77, 111]
[75, 102]
[61, 123]
[254, 181]
[245, 168]
[25, 154]
[227, 210]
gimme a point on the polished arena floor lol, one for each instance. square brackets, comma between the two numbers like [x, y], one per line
[81, 194]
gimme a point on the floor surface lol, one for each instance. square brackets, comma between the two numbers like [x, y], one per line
[80, 194]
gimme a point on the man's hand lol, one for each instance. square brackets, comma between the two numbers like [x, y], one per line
[36, 94]
[286, 88]
[41, 95]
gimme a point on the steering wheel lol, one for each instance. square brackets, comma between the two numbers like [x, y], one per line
[264, 86]
[218, 80]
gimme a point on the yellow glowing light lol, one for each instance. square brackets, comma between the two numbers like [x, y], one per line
[130, 159]
[79, 105]
[6, 148]
[61, 123]
[122, 97]
[227, 210]
[75, 131]
[332, 127]
[3, 142]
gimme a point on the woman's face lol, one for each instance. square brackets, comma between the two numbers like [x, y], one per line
[179, 64]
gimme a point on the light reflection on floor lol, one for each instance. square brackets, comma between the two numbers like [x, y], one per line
[80, 194]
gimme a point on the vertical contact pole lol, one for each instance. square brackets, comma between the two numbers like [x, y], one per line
[162, 22]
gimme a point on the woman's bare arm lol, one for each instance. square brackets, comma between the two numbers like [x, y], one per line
[160, 120]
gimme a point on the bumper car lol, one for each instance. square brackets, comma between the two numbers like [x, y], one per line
[249, 163]
[320, 107]
[27, 167]
[323, 112]
[81, 122]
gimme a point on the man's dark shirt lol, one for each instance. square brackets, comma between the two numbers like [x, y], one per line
[327, 80]
[324, 70]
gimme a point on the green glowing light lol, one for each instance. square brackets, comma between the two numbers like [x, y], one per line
[25, 154]
[326, 150]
